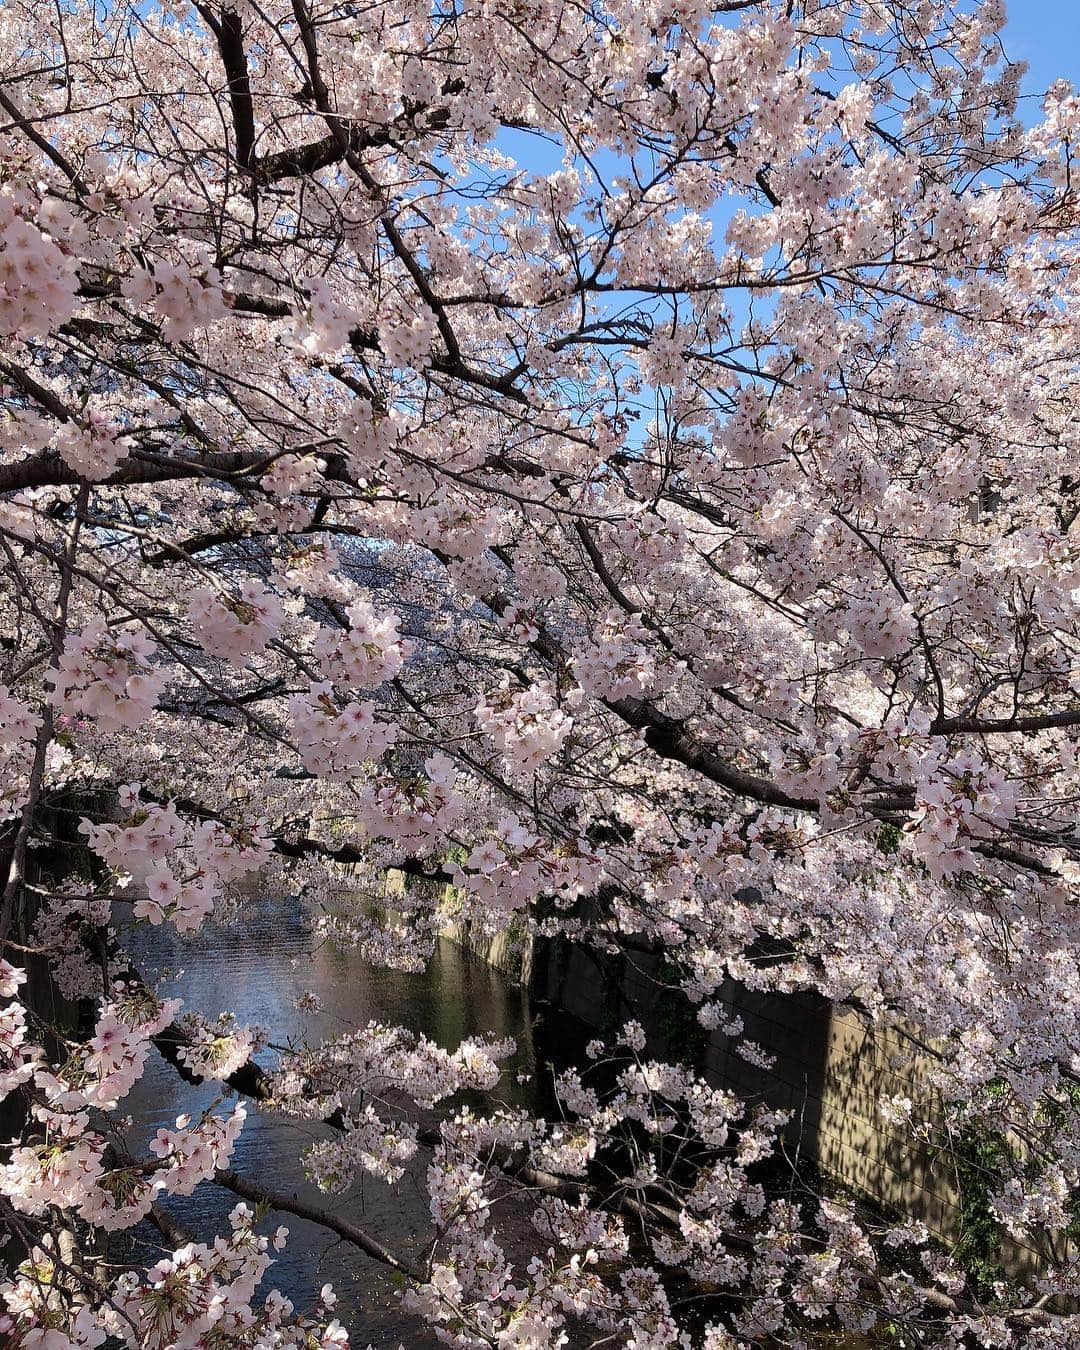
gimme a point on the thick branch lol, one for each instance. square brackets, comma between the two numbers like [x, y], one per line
[993, 726]
[292, 1204]
[230, 39]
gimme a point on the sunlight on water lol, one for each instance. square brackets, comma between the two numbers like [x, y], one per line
[256, 967]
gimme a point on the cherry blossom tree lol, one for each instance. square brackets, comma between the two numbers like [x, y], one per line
[619, 460]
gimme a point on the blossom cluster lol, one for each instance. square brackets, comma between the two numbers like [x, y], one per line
[38, 277]
[93, 448]
[526, 725]
[18, 734]
[334, 741]
[182, 866]
[370, 652]
[216, 1049]
[235, 627]
[195, 1292]
[108, 675]
[184, 297]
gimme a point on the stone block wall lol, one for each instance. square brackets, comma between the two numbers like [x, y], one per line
[831, 1069]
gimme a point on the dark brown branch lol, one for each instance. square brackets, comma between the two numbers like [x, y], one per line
[670, 739]
[992, 726]
[230, 40]
[292, 1204]
[47, 469]
[26, 126]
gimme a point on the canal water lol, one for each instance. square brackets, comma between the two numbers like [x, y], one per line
[256, 968]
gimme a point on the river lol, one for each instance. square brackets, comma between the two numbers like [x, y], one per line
[256, 968]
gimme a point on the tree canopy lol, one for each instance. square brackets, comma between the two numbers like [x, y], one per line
[619, 460]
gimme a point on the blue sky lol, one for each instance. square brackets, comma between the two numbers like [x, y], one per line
[1046, 34]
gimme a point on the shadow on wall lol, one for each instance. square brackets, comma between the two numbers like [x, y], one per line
[830, 1068]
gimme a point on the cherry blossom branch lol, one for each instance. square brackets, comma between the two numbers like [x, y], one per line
[292, 1204]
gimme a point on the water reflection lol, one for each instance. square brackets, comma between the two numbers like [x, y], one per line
[256, 968]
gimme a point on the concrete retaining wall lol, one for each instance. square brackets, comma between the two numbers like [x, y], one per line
[831, 1068]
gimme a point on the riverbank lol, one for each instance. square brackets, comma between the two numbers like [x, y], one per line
[831, 1069]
